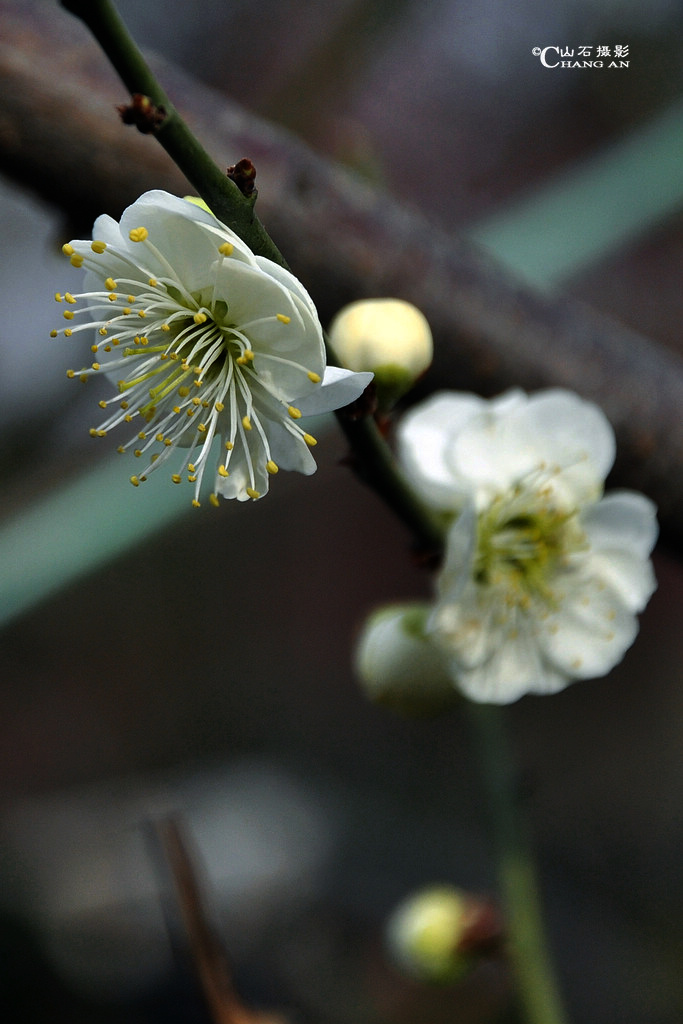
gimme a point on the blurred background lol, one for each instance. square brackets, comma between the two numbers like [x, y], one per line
[161, 661]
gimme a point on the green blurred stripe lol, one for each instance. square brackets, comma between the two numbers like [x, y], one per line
[589, 212]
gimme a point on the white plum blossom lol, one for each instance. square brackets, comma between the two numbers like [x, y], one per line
[203, 340]
[543, 575]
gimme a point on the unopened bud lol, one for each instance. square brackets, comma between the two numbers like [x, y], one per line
[390, 337]
[399, 666]
[438, 934]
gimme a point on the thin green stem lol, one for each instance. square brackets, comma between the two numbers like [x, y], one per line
[539, 997]
[215, 188]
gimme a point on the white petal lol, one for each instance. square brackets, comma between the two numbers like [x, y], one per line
[590, 633]
[424, 437]
[623, 519]
[339, 388]
[622, 530]
[288, 281]
[516, 668]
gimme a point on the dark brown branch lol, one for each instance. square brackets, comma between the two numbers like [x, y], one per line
[59, 134]
[208, 955]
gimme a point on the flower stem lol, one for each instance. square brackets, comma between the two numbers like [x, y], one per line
[220, 194]
[537, 989]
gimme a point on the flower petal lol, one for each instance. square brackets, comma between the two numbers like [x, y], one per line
[339, 388]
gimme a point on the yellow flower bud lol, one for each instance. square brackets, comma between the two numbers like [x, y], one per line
[390, 337]
[437, 934]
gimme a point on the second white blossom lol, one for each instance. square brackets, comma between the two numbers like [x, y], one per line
[543, 576]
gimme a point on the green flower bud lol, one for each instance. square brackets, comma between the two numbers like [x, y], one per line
[390, 337]
[437, 934]
[399, 666]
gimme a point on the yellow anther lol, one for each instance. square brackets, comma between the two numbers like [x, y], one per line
[246, 423]
[142, 314]
[190, 412]
[196, 401]
[205, 405]
[98, 247]
[191, 466]
[144, 340]
[168, 442]
[197, 383]
[53, 334]
[68, 314]
[116, 341]
[71, 374]
[124, 405]
[315, 377]
[107, 348]
[138, 234]
[142, 436]
[219, 407]
[283, 319]
[67, 332]
[68, 249]
[310, 440]
[102, 404]
[93, 432]
[191, 479]
[95, 366]
[272, 467]
[103, 331]
[94, 348]
[159, 438]
[76, 260]
[176, 409]
[126, 311]
[183, 391]
[195, 503]
[152, 282]
[229, 446]
[128, 418]
[252, 493]
[110, 284]
[176, 478]
[166, 327]
[112, 296]
[135, 482]
[294, 412]
[226, 249]
[83, 378]
[213, 498]
[201, 427]
[222, 471]
[58, 297]
[200, 318]
[69, 298]
[137, 453]
[121, 450]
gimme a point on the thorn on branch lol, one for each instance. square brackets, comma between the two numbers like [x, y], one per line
[243, 173]
[142, 113]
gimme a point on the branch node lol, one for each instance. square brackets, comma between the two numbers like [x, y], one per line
[142, 113]
[243, 173]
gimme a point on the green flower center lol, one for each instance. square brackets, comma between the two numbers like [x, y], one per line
[523, 541]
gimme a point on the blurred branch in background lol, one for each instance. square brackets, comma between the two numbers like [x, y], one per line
[209, 957]
[61, 137]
